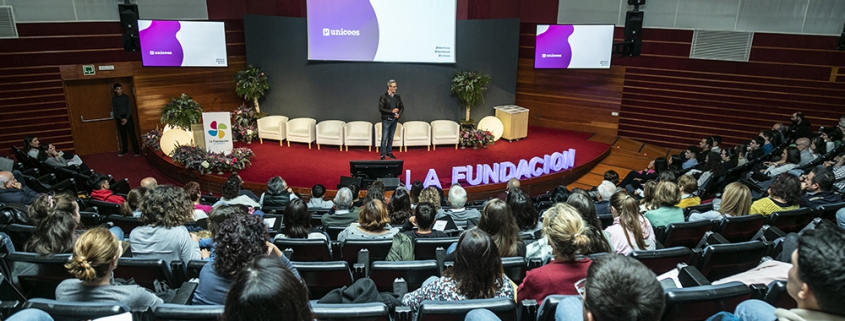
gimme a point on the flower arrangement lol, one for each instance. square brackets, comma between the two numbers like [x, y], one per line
[475, 137]
[252, 83]
[207, 162]
[152, 139]
[245, 124]
[182, 112]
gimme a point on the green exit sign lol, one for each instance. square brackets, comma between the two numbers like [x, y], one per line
[88, 70]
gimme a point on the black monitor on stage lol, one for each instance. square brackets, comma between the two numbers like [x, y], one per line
[371, 170]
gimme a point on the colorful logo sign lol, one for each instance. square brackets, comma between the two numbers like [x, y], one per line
[217, 129]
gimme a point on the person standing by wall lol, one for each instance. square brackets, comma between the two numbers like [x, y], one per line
[121, 107]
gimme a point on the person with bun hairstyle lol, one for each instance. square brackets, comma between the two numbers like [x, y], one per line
[95, 256]
[567, 234]
[265, 290]
[630, 230]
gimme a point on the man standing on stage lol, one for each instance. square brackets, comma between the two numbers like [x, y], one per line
[390, 105]
[121, 107]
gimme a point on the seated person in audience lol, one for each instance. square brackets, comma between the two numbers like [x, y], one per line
[717, 144]
[832, 138]
[215, 219]
[56, 219]
[637, 178]
[200, 210]
[668, 176]
[100, 190]
[523, 210]
[561, 194]
[567, 234]
[31, 146]
[728, 158]
[464, 217]
[741, 154]
[691, 156]
[818, 147]
[54, 158]
[800, 126]
[432, 195]
[373, 224]
[755, 148]
[477, 274]
[767, 146]
[297, 221]
[277, 196]
[688, 185]
[617, 288]
[599, 240]
[611, 176]
[713, 168]
[705, 146]
[414, 193]
[148, 182]
[12, 191]
[736, 201]
[816, 282]
[239, 240]
[241, 191]
[356, 198]
[784, 195]
[605, 191]
[837, 165]
[131, 208]
[403, 242]
[789, 160]
[498, 222]
[95, 256]
[266, 290]
[778, 134]
[399, 208]
[630, 230]
[803, 146]
[231, 197]
[512, 183]
[818, 188]
[164, 212]
[647, 202]
[316, 201]
[344, 213]
[666, 195]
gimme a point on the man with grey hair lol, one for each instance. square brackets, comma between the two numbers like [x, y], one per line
[344, 213]
[390, 106]
[803, 145]
[605, 191]
[149, 182]
[12, 191]
[466, 217]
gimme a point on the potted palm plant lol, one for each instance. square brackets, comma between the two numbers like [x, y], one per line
[252, 83]
[182, 112]
[469, 87]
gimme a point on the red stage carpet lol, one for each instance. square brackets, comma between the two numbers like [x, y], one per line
[302, 167]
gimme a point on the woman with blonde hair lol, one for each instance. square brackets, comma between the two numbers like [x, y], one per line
[630, 230]
[666, 196]
[647, 203]
[736, 201]
[567, 234]
[373, 223]
[431, 195]
[95, 256]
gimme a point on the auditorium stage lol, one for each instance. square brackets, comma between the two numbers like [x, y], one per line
[302, 167]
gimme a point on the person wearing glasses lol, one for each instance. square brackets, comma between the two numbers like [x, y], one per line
[12, 191]
[391, 107]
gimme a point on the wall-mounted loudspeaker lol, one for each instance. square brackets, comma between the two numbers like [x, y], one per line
[634, 23]
[841, 45]
[636, 2]
[129, 22]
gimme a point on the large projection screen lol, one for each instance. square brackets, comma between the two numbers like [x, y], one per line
[382, 30]
[166, 43]
[573, 46]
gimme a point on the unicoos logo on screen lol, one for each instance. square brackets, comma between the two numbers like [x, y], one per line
[552, 55]
[340, 32]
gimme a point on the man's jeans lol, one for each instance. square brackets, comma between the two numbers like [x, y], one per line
[388, 129]
[749, 310]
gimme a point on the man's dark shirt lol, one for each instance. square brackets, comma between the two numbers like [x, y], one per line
[384, 106]
[122, 107]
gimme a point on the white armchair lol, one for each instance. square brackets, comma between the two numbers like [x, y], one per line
[301, 130]
[445, 132]
[359, 133]
[398, 136]
[272, 127]
[330, 132]
[417, 133]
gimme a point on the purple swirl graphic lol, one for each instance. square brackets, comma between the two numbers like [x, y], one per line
[552, 48]
[342, 30]
[159, 46]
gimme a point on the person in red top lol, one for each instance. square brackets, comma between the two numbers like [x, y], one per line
[567, 235]
[101, 192]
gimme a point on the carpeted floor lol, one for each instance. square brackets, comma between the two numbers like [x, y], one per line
[302, 167]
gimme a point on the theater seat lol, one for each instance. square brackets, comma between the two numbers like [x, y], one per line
[445, 132]
[504, 308]
[740, 228]
[169, 311]
[398, 136]
[64, 310]
[791, 221]
[417, 133]
[515, 268]
[145, 272]
[662, 260]
[272, 127]
[350, 311]
[50, 272]
[722, 260]
[547, 309]
[376, 249]
[701, 302]
[301, 130]
[777, 296]
[330, 132]
[322, 277]
[686, 234]
[306, 250]
[383, 273]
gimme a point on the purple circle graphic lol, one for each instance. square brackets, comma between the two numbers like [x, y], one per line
[159, 46]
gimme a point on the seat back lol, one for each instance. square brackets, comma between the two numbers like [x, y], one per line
[145, 272]
[383, 273]
[828, 211]
[546, 311]
[426, 248]
[170, 311]
[104, 208]
[515, 268]
[778, 297]
[686, 234]
[398, 135]
[64, 310]
[19, 234]
[333, 230]
[378, 250]
[723, 260]
[791, 221]
[606, 220]
[662, 260]
[322, 277]
[125, 223]
[740, 228]
[701, 302]
[504, 308]
[359, 130]
[89, 219]
[305, 250]
[48, 272]
[699, 208]
[376, 311]
[194, 267]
